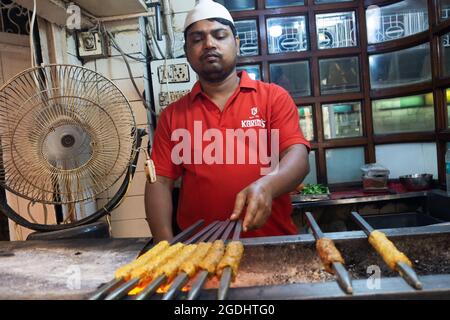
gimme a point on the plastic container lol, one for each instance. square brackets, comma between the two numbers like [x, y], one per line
[375, 177]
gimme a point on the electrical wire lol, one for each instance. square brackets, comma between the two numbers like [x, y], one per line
[151, 31]
[33, 19]
[111, 37]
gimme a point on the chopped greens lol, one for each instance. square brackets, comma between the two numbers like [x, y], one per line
[315, 189]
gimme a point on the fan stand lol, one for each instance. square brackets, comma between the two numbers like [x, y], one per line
[84, 228]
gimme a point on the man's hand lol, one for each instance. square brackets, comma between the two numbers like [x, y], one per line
[258, 196]
[258, 200]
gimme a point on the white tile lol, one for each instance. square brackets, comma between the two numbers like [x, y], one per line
[71, 59]
[182, 5]
[116, 68]
[128, 89]
[139, 112]
[130, 208]
[130, 229]
[90, 65]
[71, 44]
[128, 41]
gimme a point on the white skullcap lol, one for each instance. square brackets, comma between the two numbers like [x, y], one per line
[207, 9]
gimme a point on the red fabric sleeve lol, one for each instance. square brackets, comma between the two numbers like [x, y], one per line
[162, 149]
[285, 118]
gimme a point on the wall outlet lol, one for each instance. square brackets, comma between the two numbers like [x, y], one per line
[90, 45]
[171, 84]
[166, 98]
[174, 73]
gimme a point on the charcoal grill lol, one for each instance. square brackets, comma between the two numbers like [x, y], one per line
[272, 268]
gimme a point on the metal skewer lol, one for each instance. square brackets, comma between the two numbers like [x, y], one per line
[156, 283]
[203, 275]
[225, 279]
[182, 236]
[120, 283]
[405, 271]
[183, 277]
[126, 287]
[103, 291]
[343, 277]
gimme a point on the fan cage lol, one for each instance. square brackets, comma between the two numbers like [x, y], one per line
[67, 134]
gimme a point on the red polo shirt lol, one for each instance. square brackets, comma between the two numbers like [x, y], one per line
[194, 140]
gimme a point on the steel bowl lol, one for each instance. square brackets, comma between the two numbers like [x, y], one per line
[417, 181]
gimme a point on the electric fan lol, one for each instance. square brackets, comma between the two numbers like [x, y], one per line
[67, 134]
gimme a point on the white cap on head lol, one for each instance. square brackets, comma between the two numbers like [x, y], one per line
[207, 9]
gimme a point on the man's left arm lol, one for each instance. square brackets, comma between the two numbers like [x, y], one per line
[293, 168]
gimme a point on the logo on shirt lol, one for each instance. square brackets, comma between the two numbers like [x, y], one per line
[254, 120]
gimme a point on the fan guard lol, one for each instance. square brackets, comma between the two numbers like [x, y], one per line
[67, 134]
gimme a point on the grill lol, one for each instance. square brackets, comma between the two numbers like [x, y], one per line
[290, 268]
[271, 268]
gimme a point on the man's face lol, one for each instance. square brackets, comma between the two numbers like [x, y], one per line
[211, 49]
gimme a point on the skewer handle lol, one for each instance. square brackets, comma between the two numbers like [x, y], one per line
[123, 290]
[151, 288]
[318, 234]
[176, 286]
[343, 277]
[198, 285]
[362, 223]
[225, 281]
[103, 291]
[409, 275]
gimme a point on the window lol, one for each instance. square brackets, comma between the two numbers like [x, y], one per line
[247, 31]
[397, 158]
[330, 1]
[344, 164]
[399, 68]
[336, 30]
[396, 20]
[312, 175]
[405, 114]
[287, 34]
[283, 3]
[445, 49]
[306, 121]
[342, 120]
[292, 76]
[447, 94]
[253, 70]
[444, 9]
[234, 5]
[340, 86]
[339, 75]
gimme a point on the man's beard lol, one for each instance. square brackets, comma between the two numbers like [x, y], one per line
[217, 74]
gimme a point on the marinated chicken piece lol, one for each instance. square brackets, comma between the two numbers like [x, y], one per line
[212, 258]
[390, 254]
[145, 272]
[328, 253]
[232, 258]
[190, 266]
[124, 272]
[171, 267]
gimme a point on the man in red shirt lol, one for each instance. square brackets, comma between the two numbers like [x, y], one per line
[223, 139]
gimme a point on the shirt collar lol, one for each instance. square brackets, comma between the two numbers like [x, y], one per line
[246, 82]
